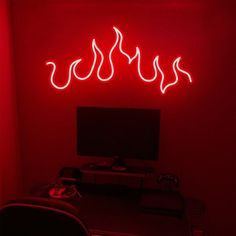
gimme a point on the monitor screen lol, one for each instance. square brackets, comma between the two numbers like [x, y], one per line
[125, 132]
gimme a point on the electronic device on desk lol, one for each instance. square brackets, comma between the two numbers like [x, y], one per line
[127, 133]
[65, 186]
[165, 200]
[61, 191]
[168, 181]
[70, 175]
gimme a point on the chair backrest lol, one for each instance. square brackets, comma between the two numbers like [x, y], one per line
[35, 216]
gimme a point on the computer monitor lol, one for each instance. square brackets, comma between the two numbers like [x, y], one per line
[126, 133]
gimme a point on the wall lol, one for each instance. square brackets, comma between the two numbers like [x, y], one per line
[197, 120]
[9, 159]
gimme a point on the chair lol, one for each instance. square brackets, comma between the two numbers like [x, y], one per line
[37, 216]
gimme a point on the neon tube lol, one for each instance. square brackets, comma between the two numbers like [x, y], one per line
[69, 74]
[131, 59]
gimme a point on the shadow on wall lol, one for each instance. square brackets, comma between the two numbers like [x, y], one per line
[9, 158]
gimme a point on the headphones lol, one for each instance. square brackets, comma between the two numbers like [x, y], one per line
[168, 179]
[63, 192]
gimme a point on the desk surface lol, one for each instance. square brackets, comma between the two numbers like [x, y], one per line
[121, 214]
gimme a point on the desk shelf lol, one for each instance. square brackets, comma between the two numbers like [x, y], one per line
[134, 172]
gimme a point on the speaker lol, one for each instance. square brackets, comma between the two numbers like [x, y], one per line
[70, 175]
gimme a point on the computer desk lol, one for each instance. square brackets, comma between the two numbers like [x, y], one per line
[118, 213]
[122, 215]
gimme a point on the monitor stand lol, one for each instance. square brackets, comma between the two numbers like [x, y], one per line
[119, 164]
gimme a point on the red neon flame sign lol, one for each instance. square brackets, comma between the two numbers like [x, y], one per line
[136, 58]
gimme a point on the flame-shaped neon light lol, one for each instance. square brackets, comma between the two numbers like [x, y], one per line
[73, 68]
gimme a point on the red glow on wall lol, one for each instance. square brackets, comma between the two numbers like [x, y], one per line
[136, 58]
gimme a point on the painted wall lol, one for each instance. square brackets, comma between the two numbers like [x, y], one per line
[9, 159]
[197, 120]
